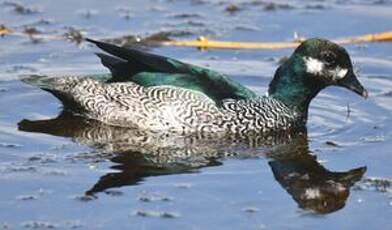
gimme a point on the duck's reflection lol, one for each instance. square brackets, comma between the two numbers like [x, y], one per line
[138, 155]
[311, 185]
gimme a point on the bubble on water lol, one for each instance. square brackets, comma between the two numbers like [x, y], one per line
[92, 166]
[38, 224]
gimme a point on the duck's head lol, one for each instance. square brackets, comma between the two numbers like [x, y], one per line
[314, 65]
[329, 64]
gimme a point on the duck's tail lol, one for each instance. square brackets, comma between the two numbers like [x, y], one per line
[58, 87]
[40, 81]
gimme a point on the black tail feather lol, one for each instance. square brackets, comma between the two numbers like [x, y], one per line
[119, 68]
[137, 61]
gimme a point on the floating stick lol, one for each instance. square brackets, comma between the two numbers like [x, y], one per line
[203, 42]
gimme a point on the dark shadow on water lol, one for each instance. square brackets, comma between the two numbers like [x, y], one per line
[137, 154]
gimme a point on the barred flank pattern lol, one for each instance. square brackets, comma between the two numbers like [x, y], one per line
[167, 108]
[263, 114]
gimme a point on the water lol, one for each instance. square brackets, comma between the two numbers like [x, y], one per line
[69, 172]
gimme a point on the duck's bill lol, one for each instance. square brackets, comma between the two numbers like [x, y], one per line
[350, 81]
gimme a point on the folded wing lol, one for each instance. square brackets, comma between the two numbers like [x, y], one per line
[148, 69]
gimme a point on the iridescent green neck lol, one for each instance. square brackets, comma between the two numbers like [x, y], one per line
[293, 86]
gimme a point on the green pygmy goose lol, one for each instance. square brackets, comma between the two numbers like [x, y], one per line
[156, 93]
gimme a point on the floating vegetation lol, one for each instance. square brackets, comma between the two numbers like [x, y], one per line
[185, 15]
[373, 139]
[39, 22]
[271, 6]
[316, 7]
[151, 197]
[55, 172]
[232, 8]
[29, 30]
[20, 8]
[74, 35]
[3, 30]
[387, 94]
[164, 214]
[17, 169]
[150, 40]
[87, 13]
[250, 209]
[163, 38]
[113, 192]
[199, 2]
[165, 35]
[85, 198]
[332, 143]
[9, 145]
[124, 12]
[374, 184]
[4, 226]
[195, 23]
[43, 158]
[203, 42]
[73, 224]
[38, 224]
[183, 185]
[27, 197]
[246, 28]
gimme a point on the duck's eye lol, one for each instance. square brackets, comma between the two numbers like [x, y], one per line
[329, 58]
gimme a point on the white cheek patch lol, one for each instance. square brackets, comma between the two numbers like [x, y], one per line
[317, 67]
[338, 73]
[313, 66]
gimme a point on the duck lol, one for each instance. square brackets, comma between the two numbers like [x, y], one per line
[160, 94]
